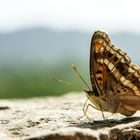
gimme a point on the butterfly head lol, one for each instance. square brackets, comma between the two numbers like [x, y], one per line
[92, 92]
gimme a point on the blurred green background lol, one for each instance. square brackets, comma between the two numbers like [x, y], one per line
[29, 59]
[41, 39]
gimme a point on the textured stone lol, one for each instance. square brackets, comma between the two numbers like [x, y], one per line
[56, 118]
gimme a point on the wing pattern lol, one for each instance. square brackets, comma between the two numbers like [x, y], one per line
[112, 74]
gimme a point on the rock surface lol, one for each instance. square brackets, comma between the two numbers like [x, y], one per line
[56, 118]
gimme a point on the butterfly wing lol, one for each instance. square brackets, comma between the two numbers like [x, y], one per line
[113, 75]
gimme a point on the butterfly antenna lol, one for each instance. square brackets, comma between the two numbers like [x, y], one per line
[64, 82]
[78, 73]
[60, 81]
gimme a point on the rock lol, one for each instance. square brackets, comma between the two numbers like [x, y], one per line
[56, 118]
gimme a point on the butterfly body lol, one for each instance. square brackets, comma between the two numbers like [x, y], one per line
[115, 80]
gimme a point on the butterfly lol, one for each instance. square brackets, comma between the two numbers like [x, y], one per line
[115, 80]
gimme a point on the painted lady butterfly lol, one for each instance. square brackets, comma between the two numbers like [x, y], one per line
[115, 80]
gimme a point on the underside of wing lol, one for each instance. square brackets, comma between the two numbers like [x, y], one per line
[112, 72]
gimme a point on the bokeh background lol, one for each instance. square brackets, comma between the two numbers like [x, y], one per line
[42, 38]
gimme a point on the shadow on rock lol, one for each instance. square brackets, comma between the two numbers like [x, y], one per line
[106, 123]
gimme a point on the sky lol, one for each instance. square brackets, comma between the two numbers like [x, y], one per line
[83, 15]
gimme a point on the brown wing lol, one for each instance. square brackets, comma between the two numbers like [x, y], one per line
[104, 58]
[111, 71]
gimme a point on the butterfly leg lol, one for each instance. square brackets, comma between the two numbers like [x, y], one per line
[85, 109]
[102, 112]
[85, 112]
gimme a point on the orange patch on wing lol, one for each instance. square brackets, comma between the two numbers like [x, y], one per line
[97, 47]
[105, 73]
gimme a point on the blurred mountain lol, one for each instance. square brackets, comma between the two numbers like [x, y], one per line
[40, 46]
